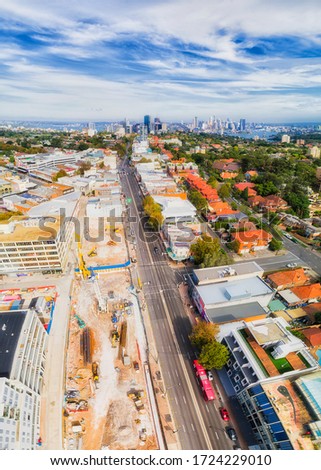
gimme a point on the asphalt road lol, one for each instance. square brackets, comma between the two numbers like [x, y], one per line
[198, 423]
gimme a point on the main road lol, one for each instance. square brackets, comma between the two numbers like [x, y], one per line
[198, 423]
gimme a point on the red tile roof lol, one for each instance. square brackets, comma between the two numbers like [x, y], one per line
[252, 236]
[292, 277]
[312, 291]
[313, 335]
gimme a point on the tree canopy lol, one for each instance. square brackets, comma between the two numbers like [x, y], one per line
[275, 245]
[214, 355]
[154, 212]
[207, 252]
[197, 200]
[203, 333]
[225, 191]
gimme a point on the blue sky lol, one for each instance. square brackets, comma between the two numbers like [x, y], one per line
[106, 59]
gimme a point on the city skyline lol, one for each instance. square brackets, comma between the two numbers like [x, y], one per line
[59, 62]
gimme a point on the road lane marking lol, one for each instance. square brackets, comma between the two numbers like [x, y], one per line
[175, 397]
[217, 436]
[207, 408]
[192, 427]
[169, 347]
[184, 399]
[176, 372]
[215, 406]
[183, 428]
[183, 338]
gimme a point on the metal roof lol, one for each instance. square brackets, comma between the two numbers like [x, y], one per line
[225, 292]
[235, 312]
[10, 328]
[206, 275]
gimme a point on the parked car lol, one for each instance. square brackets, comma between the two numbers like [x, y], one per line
[231, 434]
[291, 265]
[224, 414]
[136, 366]
[156, 250]
[210, 375]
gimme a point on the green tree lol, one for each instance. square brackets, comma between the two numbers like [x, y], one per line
[83, 146]
[275, 245]
[245, 194]
[154, 212]
[84, 166]
[213, 355]
[225, 191]
[317, 318]
[197, 199]
[58, 175]
[207, 252]
[212, 181]
[203, 333]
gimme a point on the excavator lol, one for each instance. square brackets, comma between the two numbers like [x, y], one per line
[92, 252]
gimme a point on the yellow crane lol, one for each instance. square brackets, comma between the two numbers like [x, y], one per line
[81, 262]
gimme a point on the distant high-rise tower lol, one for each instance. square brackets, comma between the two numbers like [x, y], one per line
[157, 124]
[242, 124]
[195, 122]
[91, 129]
[286, 139]
[147, 121]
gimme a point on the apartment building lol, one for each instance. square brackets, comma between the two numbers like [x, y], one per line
[40, 241]
[23, 342]
[42, 160]
[5, 187]
[265, 363]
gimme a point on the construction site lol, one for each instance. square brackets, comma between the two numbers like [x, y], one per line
[106, 405]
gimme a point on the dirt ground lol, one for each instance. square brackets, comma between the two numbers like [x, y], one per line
[109, 417]
[111, 250]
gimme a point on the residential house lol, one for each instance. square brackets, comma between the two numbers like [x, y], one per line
[310, 293]
[249, 186]
[253, 240]
[255, 201]
[313, 336]
[287, 279]
[227, 165]
[273, 203]
[226, 175]
[251, 174]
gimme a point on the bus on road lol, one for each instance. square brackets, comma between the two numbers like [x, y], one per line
[204, 383]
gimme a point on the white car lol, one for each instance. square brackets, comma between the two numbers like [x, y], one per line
[291, 265]
[210, 375]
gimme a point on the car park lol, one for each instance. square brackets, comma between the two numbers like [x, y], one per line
[224, 414]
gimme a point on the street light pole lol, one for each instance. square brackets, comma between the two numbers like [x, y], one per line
[164, 394]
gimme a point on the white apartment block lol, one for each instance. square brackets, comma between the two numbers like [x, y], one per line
[23, 341]
[285, 139]
[37, 161]
[38, 243]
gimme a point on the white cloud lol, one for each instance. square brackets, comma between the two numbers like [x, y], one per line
[175, 83]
